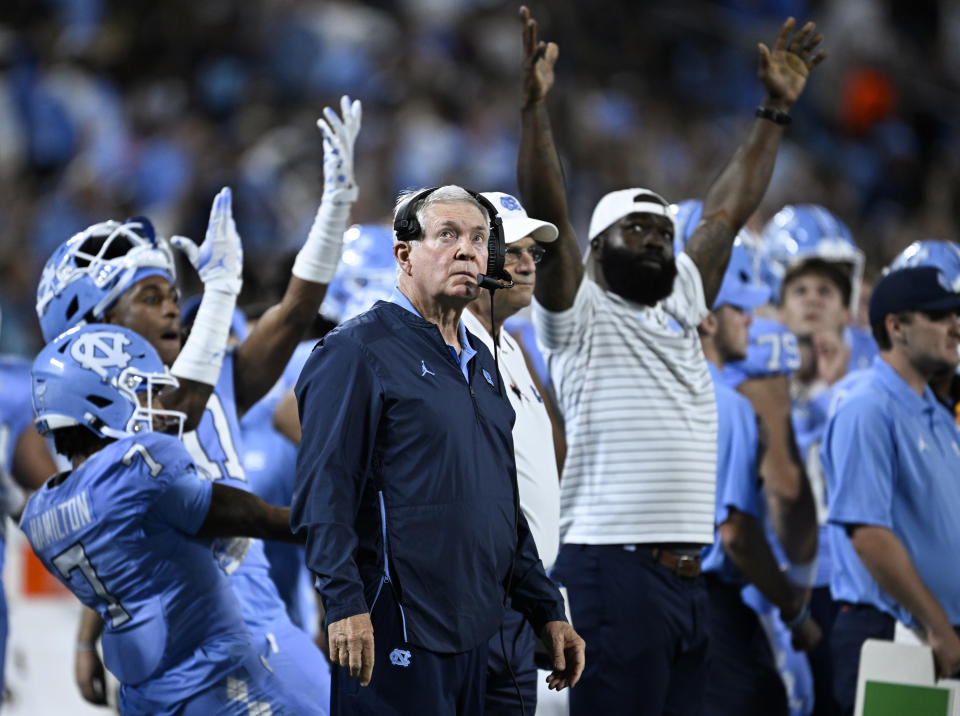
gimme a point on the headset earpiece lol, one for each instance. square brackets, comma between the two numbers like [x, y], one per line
[405, 225]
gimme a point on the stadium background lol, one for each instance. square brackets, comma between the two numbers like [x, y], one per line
[110, 109]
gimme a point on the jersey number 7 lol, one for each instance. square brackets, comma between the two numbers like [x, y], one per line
[74, 557]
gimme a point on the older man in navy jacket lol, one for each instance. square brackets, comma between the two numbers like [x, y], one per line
[406, 485]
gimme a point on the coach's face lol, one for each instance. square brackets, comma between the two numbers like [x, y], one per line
[443, 265]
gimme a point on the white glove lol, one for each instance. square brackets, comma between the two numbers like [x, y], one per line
[317, 260]
[339, 137]
[12, 496]
[219, 259]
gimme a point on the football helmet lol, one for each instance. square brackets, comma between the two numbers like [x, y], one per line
[367, 272]
[944, 255]
[103, 377]
[741, 286]
[807, 231]
[87, 274]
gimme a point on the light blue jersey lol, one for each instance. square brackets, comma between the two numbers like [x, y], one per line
[809, 418]
[117, 532]
[216, 446]
[270, 461]
[772, 350]
[738, 484]
[863, 348]
[891, 458]
[16, 412]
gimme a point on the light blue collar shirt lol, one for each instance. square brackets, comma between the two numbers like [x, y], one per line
[463, 358]
[891, 459]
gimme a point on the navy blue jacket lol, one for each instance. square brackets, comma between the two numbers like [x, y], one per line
[405, 481]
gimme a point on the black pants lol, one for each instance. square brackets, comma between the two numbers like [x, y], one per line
[501, 695]
[743, 677]
[408, 680]
[645, 629]
[854, 625]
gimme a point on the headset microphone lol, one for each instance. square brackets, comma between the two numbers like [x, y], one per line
[492, 284]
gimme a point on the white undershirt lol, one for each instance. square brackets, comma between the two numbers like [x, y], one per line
[537, 476]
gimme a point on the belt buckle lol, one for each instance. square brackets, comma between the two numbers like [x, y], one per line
[686, 564]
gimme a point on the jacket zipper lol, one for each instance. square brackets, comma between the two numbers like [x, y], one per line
[386, 566]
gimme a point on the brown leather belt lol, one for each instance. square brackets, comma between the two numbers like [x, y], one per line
[683, 565]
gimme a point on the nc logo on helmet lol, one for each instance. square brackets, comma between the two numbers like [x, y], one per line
[509, 203]
[101, 350]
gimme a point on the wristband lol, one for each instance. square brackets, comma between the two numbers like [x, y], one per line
[803, 575]
[318, 258]
[202, 355]
[774, 115]
[85, 646]
[799, 619]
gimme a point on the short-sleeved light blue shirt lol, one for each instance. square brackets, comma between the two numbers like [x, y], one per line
[892, 459]
[737, 482]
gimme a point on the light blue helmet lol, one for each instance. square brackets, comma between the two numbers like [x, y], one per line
[87, 273]
[91, 375]
[806, 231]
[741, 286]
[944, 255]
[367, 272]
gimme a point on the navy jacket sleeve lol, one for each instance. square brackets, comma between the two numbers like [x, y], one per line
[339, 399]
[532, 592]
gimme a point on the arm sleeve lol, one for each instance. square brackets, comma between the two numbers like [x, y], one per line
[687, 303]
[339, 399]
[557, 330]
[532, 592]
[858, 456]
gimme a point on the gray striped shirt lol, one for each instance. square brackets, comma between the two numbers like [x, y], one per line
[640, 413]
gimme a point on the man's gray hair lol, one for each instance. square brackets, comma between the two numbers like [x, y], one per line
[445, 194]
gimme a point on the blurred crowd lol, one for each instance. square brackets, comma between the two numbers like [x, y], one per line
[117, 109]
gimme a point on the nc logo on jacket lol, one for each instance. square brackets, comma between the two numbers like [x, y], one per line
[400, 657]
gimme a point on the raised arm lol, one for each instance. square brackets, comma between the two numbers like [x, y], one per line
[540, 176]
[262, 357]
[737, 192]
[219, 263]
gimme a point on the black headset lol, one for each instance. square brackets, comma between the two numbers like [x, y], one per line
[407, 228]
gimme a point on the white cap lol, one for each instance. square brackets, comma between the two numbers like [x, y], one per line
[516, 223]
[618, 204]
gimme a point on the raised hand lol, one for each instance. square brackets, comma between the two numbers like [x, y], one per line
[219, 259]
[339, 137]
[538, 61]
[784, 71]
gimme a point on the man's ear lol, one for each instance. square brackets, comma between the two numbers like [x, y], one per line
[401, 251]
[708, 326]
[894, 327]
